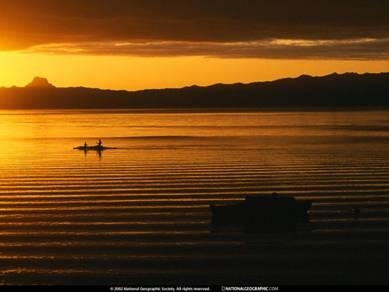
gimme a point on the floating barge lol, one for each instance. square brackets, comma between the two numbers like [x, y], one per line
[270, 213]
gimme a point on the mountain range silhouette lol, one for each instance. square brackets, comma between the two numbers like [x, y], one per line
[334, 90]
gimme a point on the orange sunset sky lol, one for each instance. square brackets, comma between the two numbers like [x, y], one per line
[155, 44]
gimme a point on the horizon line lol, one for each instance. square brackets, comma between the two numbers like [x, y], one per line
[195, 85]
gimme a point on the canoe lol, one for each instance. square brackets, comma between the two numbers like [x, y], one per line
[271, 213]
[93, 148]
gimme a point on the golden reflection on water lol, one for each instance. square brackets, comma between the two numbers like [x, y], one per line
[24, 132]
[121, 123]
[149, 199]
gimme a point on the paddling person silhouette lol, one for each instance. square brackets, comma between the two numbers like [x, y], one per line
[85, 145]
[99, 143]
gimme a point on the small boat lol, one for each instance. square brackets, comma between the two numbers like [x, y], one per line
[93, 148]
[270, 213]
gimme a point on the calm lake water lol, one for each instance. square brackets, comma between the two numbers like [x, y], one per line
[140, 214]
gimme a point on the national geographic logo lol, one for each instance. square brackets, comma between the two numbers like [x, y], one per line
[250, 288]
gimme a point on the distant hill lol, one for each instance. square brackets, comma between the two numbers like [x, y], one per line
[335, 90]
[39, 82]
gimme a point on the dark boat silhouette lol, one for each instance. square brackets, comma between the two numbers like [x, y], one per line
[93, 148]
[270, 213]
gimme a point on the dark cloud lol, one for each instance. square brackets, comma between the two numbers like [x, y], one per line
[207, 27]
[361, 49]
